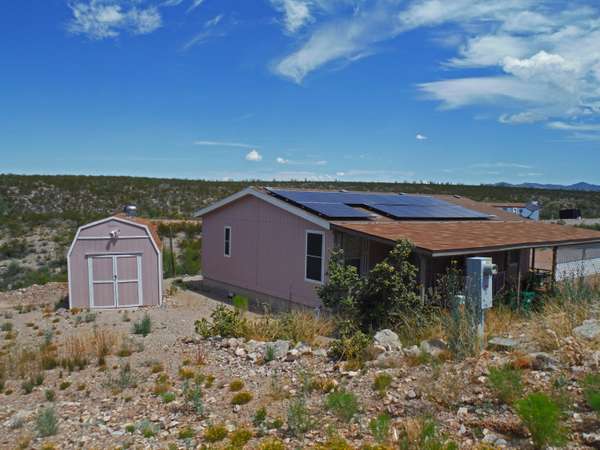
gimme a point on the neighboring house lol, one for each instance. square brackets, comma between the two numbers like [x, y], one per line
[273, 245]
[115, 263]
[530, 210]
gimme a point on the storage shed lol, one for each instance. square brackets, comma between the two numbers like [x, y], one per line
[115, 263]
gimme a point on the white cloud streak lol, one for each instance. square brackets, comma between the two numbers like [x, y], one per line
[223, 144]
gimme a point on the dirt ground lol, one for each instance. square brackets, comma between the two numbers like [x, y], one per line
[99, 407]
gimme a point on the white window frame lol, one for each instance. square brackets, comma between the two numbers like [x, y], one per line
[228, 227]
[306, 255]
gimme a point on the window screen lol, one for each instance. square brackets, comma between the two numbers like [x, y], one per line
[314, 256]
[227, 241]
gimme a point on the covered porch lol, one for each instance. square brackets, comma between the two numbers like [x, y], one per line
[519, 249]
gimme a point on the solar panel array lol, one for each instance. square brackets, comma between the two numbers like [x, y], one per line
[341, 205]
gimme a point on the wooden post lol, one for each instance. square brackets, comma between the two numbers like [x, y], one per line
[173, 272]
[554, 252]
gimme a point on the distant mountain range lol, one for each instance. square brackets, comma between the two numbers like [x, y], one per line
[570, 187]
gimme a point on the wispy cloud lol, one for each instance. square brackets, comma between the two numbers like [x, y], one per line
[101, 19]
[421, 137]
[195, 4]
[209, 31]
[253, 156]
[318, 162]
[224, 144]
[296, 13]
[542, 53]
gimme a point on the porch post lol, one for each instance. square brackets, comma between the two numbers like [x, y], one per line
[554, 251]
[423, 276]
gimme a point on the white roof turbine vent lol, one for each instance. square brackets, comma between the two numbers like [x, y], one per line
[114, 234]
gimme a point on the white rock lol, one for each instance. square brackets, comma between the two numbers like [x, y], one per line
[388, 340]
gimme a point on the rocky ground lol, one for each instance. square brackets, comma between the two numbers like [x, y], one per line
[140, 394]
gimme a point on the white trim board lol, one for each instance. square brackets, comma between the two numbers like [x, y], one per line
[269, 199]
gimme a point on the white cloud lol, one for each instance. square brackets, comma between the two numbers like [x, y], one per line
[540, 57]
[308, 162]
[195, 4]
[574, 126]
[223, 144]
[102, 19]
[281, 160]
[254, 156]
[296, 13]
[421, 137]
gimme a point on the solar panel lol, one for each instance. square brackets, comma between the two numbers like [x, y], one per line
[399, 206]
[336, 210]
[429, 212]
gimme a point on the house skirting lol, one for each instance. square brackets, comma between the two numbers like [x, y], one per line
[257, 301]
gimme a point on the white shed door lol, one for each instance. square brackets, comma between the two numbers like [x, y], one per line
[115, 280]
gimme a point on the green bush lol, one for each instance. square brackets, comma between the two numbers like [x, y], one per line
[382, 382]
[240, 302]
[506, 382]
[542, 417]
[428, 438]
[343, 404]
[380, 427]
[47, 422]
[143, 326]
[50, 395]
[6, 326]
[591, 391]
[168, 397]
[352, 345]
[225, 322]
[299, 417]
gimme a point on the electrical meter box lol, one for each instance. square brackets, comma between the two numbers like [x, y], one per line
[480, 271]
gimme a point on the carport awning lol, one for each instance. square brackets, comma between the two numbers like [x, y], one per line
[471, 237]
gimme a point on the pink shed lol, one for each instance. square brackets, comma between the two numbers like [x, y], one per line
[267, 246]
[114, 263]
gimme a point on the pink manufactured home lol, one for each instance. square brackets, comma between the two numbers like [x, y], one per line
[115, 263]
[264, 248]
[273, 245]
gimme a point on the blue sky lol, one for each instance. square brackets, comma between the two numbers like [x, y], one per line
[473, 91]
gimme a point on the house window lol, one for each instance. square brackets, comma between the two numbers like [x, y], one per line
[314, 256]
[227, 241]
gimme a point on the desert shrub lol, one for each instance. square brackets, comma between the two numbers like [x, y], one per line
[185, 373]
[64, 385]
[380, 427]
[299, 418]
[130, 428]
[335, 442]
[271, 444]
[125, 378]
[103, 340]
[542, 417]
[460, 328]
[75, 353]
[240, 437]
[506, 382]
[50, 395]
[47, 422]
[147, 428]
[591, 391]
[27, 386]
[240, 302]
[225, 322]
[422, 434]
[6, 326]
[343, 404]
[215, 433]
[143, 326]
[168, 397]
[193, 396]
[236, 385]
[352, 345]
[382, 382]
[241, 398]
[269, 353]
[186, 433]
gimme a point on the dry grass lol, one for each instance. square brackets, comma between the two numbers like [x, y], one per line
[296, 326]
[501, 320]
[556, 321]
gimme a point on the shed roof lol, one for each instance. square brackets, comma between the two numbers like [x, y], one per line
[454, 237]
[152, 227]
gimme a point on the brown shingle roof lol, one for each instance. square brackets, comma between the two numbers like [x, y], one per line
[151, 226]
[473, 236]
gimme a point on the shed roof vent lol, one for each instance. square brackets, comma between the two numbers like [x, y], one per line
[130, 210]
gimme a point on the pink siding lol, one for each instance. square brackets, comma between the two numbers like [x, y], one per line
[267, 250]
[127, 267]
